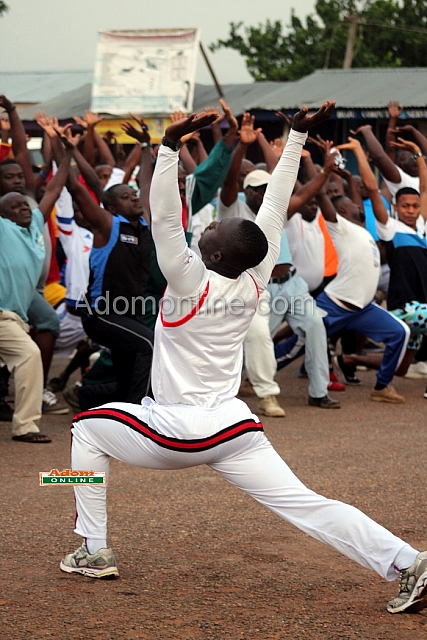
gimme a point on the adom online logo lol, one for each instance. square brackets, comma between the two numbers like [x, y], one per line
[71, 477]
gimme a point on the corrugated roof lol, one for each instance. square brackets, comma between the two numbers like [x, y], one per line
[63, 106]
[39, 86]
[352, 89]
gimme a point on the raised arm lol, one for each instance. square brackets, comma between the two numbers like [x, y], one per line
[422, 168]
[19, 142]
[394, 112]
[310, 189]
[417, 136]
[385, 165]
[274, 207]
[210, 174]
[248, 135]
[183, 270]
[54, 186]
[146, 162]
[270, 157]
[368, 179]
[94, 143]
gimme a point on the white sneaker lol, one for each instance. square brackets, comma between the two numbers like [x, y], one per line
[417, 371]
[52, 405]
[412, 595]
[101, 564]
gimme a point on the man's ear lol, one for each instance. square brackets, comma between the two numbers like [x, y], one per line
[216, 257]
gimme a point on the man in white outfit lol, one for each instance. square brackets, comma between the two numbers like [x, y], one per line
[196, 418]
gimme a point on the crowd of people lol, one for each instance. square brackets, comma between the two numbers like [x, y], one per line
[348, 289]
[195, 286]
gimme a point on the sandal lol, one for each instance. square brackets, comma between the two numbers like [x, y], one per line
[36, 437]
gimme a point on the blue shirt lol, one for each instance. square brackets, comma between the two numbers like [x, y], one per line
[370, 224]
[285, 254]
[22, 254]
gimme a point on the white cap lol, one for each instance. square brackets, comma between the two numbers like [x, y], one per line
[256, 178]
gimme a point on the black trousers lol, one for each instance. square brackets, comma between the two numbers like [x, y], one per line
[131, 347]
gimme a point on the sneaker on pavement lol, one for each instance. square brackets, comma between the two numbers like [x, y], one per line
[246, 390]
[412, 595]
[416, 371]
[101, 564]
[348, 372]
[269, 407]
[51, 404]
[70, 394]
[334, 385]
[6, 411]
[389, 394]
[324, 403]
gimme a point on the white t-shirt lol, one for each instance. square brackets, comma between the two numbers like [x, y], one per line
[238, 209]
[405, 181]
[77, 244]
[307, 245]
[359, 263]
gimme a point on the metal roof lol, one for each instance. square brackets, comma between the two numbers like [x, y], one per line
[39, 86]
[63, 106]
[352, 89]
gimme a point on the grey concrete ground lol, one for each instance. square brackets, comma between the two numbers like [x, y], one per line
[199, 559]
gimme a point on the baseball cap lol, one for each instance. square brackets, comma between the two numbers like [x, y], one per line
[256, 178]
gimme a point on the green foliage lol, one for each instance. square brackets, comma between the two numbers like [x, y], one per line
[3, 7]
[390, 33]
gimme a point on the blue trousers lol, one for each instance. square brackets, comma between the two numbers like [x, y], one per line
[373, 322]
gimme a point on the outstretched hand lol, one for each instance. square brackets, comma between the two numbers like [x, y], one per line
[130, 130]
[286, 120]
[318, 142]
[6, 104]
[302, 122]
[176, 130]
[394, 109]
[351, 145]
[65, 134]
[248, 135]
[406, 144]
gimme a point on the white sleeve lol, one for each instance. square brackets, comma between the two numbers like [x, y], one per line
[386, 231]
[183, 269]
[65, 219]
[274, 207]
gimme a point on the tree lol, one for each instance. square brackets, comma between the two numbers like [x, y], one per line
[3, 7]
[390, 33]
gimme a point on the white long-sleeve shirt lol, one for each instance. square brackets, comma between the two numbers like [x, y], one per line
[199, 334]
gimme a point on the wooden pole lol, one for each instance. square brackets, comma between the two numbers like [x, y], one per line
[353, 20]
[211, 71]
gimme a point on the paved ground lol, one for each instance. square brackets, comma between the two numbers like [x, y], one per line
[200, 560]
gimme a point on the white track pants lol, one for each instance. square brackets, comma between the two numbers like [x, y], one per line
[231, 441]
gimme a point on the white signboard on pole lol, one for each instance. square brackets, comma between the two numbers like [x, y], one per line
[147, 71]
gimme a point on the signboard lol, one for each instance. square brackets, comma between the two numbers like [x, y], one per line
[156, 128]
[148, 71]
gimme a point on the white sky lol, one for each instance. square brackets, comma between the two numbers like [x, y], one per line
[45, 35]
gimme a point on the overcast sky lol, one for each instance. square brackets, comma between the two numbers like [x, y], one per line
[45, 35]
